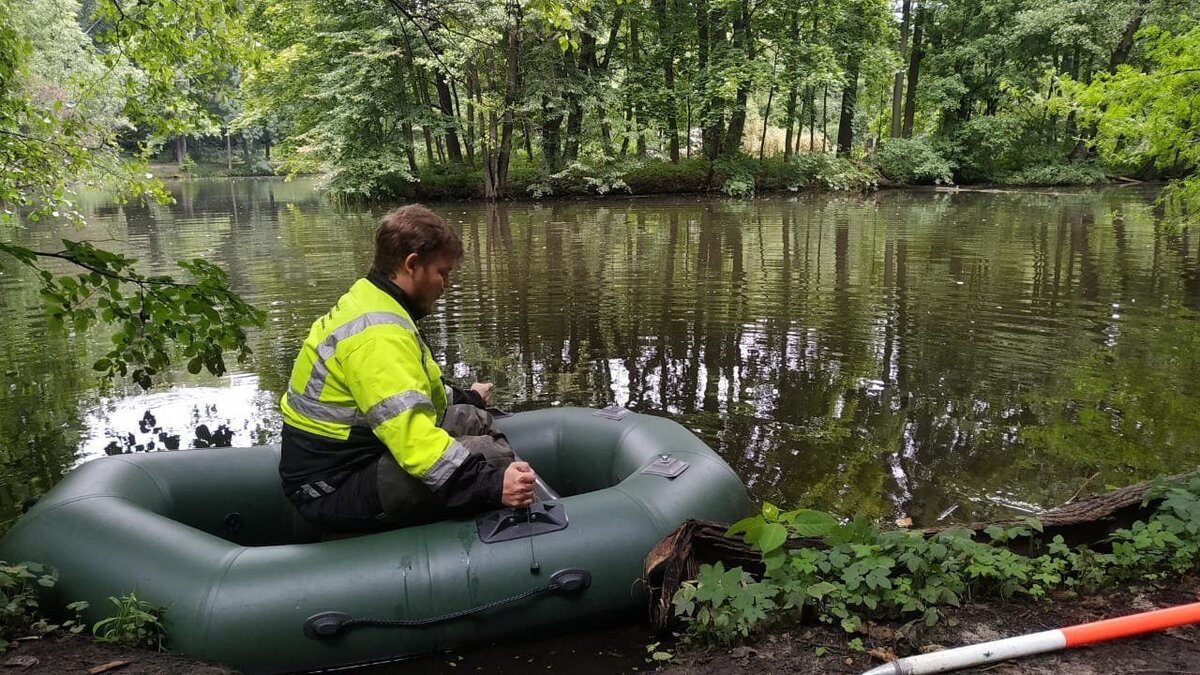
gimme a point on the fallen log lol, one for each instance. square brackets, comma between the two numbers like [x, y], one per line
[678, 556]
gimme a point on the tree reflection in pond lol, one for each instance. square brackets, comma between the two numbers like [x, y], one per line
[896, 354]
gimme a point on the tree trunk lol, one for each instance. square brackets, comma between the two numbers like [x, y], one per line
[472, 141]
[687, 105]
[711, 35]
[914, 74]
[762, 143]
[825, 119]
[897, 129]
[487, 134]
[414, 77]
[812, 119]
[246, 154]
[586, 66]
[628, 126]
[551, 126]
[418, 83]
[446, 105]
[635, 58]
[410, 146]
[469, 139]
[526, 136]
[791, 102]
[228, 150]
[1121, 54]
[743, 44]
[181, 151]
[845, 138]
[790, 108]
[512, 85]
[660, 10]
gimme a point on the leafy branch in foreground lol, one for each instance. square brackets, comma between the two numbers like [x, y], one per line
[846, 572]
[66, 96]
[150, 313]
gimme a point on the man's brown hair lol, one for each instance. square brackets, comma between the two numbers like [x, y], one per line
[412, 229]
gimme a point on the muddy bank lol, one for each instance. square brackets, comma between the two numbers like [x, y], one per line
[77, 655]
[783, 650]
[794, 650]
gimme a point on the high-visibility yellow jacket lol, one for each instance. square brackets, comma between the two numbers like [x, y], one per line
[365, 382]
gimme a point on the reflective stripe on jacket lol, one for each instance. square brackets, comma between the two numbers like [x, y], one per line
[365, 366]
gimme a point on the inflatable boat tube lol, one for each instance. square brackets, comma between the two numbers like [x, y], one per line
[208, 535]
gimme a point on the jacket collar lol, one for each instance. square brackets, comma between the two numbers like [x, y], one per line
[387, 286]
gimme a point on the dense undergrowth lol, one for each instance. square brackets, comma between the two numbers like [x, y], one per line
[132, 622]
[895, 162]
[846, 572]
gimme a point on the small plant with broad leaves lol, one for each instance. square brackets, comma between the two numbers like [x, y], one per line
[20, 607]
[136, 623]
[656, 654]
[846, 571]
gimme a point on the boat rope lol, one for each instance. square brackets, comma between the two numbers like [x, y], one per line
[326, 625]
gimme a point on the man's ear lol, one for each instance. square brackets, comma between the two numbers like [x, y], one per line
[409, 266]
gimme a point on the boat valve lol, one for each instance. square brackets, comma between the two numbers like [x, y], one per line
[325, 625]
[570, 580]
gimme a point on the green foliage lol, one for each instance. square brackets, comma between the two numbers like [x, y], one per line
[63, 102]
[912, 162]
[1063, 173]
[152, 314]
[20, 611]
[725, 603]
[578, 178]
[1147, 114]
[738, 175]
[984, 149]
[658, 176]
[136, 623]
[844, 572]
[825, 171]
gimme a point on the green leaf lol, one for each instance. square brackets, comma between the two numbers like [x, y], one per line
[770, 512]
[820, 590]
[771, 537]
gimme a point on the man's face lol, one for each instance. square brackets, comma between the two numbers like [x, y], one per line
[430, 278]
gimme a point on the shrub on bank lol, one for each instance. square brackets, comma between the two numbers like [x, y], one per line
[661, 176]
[912, 161]
[825, 171]
[20, 611]
[1071, 173]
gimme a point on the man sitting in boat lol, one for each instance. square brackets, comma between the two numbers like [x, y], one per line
[372, 438]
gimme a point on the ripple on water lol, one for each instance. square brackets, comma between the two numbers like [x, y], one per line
[854, 353]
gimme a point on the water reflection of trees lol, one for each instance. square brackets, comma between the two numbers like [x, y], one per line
[861, 354]
[877, 354]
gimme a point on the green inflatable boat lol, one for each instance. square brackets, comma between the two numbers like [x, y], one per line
[209, 535]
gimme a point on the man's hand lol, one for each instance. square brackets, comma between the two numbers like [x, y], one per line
[518, 485]
[484, 389]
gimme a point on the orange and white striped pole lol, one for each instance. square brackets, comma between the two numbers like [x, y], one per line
[1045, 641]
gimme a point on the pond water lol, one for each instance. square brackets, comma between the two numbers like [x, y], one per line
[937, 356]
